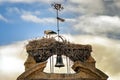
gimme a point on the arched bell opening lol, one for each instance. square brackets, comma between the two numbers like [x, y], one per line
[51, 68]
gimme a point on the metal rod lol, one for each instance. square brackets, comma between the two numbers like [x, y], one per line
[67, 65]
[58, 30]
[57, 23]
[52, 64]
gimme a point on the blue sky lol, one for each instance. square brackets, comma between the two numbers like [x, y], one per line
[95, 22]
[22, 20]
[15, 24]
[14, 28]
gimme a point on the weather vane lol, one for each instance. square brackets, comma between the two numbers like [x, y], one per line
[58, 7]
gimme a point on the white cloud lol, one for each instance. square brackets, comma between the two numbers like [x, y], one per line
[35, 19]
[94, 7]
[22, 11]
[13, 48]
[99, 25]
[3, 18]
[14, 67]
[117, 2]
[18, 1]
[70, 20]
[32, 16]
[29, 1]
[86, 7]
[13, 10]
[12, 59]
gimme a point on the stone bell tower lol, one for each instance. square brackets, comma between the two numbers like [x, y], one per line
[40, 50]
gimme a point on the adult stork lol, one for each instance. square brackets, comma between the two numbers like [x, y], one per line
[49, 32]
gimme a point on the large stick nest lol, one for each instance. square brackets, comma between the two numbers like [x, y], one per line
[43, 48]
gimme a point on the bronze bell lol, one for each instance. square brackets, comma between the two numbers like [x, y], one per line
[59, 61]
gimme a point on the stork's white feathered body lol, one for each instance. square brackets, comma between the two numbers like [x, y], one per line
[48, 32]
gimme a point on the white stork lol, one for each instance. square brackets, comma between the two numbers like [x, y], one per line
[49, 32]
